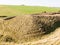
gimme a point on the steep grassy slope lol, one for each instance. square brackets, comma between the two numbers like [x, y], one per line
[26, 28]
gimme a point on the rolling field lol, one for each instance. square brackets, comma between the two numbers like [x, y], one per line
[21, 10]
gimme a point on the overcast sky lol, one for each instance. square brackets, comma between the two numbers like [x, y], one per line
[52, 3]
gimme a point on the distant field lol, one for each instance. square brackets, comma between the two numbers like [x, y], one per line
[20, 10]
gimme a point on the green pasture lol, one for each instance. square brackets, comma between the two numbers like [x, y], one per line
[14, 10]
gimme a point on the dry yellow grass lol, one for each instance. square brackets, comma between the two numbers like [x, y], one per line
[23, 30]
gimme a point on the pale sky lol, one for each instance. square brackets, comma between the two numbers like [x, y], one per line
[52, 3]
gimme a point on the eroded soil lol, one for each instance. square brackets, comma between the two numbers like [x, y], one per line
[30, 30]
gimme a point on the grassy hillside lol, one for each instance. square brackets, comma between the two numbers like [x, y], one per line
[28, 28]
[18, 10]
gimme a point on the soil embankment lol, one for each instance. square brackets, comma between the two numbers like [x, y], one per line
[31, 29]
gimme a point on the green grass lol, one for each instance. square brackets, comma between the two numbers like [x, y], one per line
[20, 10]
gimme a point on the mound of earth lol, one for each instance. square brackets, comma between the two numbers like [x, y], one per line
[27, 29]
